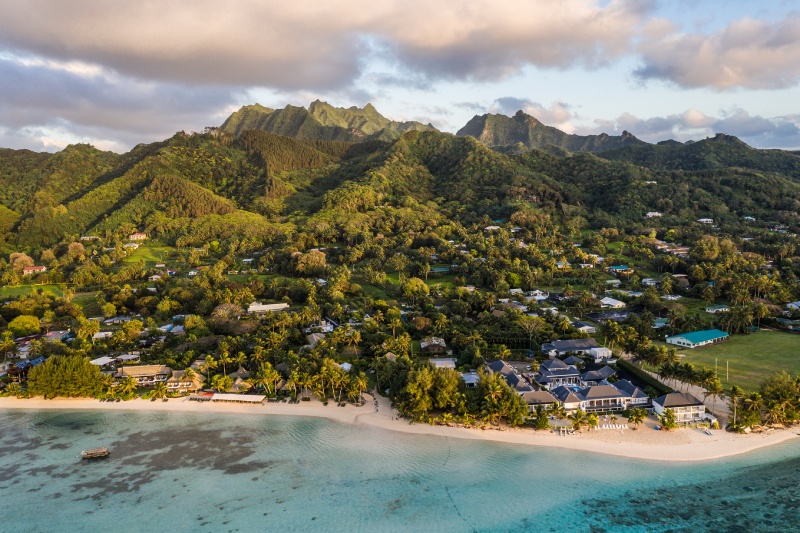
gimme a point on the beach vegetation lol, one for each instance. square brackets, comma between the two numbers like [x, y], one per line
[668, 421]
[65, 376]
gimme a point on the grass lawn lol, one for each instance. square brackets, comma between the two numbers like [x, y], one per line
[751, 358]
[24, 290]
[151, 255]
[88, 302]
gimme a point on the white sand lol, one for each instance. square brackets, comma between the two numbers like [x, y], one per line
[644, 443]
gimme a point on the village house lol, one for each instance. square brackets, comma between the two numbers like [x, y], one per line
[696, 339]
[705, 220]
[714, 309]
[31, 270]
[471, 379]
[443, 362]
[432, 345]
[619, 269]
[261, 309]
[652, 214]
[611, 303]
[138, 236]
[584, 327]
[686, 407]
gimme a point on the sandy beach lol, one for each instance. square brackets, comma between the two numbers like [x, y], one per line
[644, 443]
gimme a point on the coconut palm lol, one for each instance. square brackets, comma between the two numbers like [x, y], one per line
[735, 393]
[637, 416]
[578, 419]
[714, 389]
[160, 390]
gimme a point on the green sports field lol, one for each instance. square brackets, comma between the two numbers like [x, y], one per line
[750, 358]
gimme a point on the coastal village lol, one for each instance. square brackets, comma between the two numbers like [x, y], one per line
[565, 385]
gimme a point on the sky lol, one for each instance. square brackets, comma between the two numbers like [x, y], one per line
[116, 73]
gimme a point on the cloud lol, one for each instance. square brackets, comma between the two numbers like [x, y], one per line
[43, 97]
[747, 53]
[757, 131]
[306, 44]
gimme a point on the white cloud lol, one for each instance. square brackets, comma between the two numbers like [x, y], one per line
[747, 53]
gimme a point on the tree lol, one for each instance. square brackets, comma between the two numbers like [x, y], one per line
[221, 383]
[592, 420]
[160, 390]
[637, 416]
[69, 376]
[668, 421]
[714, 389]
[578, 419]
[414, 289]
[416, 396]
[24, 325]
[541, 420]
[735, 393]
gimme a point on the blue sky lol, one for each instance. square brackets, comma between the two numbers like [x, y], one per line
[116, 74]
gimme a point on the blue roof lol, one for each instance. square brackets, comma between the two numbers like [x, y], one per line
[697, 337]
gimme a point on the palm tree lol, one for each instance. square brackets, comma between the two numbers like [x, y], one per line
[714, 389]
[637, 416]
[127, 385]
[578, 419]
[735, 394]
[160, 390]
[222, 383]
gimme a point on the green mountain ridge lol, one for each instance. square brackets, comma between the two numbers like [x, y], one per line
[321, 121]
[525, 130]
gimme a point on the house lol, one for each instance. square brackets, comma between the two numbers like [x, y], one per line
[261, 309]
[31, 270]
[793, 306]
[597, 377]
[652, 214]
[568, 398]
[154, 277]
[611, 303]
[714, 309]
[18, 373]
[103, 335]
[538, 398]
[513, 379]
[537, 295]
[584, 327]
[636, 396]
[137, 236]
[445, 362]
[145, 375]
[515, 292]
[471, 379]
[555, 373]
[613, 282]
[129, 358]
[179, 382]
[659, 323]
[686, 407]
[491, 228]
[557, 348]
[602, 398]
[601, 354]
[705, 220]
[696, 339]
[619, 269]
[130, 245]
[433, 345]
[103, 361]
[650, 282]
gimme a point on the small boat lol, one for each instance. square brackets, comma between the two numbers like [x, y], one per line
[95, 453]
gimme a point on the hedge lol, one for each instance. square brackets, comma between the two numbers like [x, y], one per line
[644, 377]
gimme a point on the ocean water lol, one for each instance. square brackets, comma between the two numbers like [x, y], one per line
[225, 473]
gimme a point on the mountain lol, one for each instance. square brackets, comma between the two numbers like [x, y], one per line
[523, 131]
[321, 121]
[720, 151]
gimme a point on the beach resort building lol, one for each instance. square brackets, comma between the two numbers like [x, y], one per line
[179, 382]
[145, 375]
[696, 339]
[555, 372]
[686, 407]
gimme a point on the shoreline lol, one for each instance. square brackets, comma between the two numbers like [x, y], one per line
[684, 445]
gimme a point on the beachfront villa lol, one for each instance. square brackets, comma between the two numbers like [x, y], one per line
[555, 372]
[686, 407]
[601, 398]
[145, 375]
[179, 382]
[696, 339]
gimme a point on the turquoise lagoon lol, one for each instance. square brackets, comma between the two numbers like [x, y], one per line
[221, 473]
